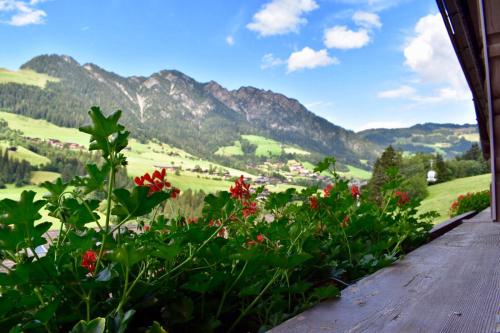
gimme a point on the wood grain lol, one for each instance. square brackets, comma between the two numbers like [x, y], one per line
[451, 284]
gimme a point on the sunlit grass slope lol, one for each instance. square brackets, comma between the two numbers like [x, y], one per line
[441, 196]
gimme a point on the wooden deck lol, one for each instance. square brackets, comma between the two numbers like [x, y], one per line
[451, 284]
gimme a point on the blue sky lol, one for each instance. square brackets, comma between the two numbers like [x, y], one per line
[358, 63]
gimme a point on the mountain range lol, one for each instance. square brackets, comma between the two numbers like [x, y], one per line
[202, 117]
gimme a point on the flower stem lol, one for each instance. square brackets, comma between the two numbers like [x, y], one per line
[227, 291]
[256, 299]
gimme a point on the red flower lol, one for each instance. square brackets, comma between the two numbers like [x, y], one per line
[249, 208]
[222, 233]
[89, 259]
[155, 183]
[403, 198]
[241, 190]
[345, 222]
[192, 220]
[326, 191]
[146, 227]
[175, 193]
[355, 191]
[313, 202]
[258, 240]
[454, 204]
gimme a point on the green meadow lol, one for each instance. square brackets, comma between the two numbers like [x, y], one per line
[27, 77]
[22, 153]
[441, 196]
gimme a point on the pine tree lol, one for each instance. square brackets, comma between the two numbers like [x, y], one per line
[390, 158]
[443, 173]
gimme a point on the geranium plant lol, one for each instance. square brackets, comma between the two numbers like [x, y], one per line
[472, 201]
[245, 265]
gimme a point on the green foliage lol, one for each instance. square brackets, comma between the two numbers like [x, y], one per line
[449, 140]
[476, 201]
[390, 159]
[247, 147]
[243, 265]
[13, 171]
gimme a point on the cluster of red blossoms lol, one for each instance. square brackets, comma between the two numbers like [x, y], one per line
[89, 260]
[327, 190]
[355, 191]
[403, 198]
[249, 208]
[241, 191]
[156, 183]
[313, 202]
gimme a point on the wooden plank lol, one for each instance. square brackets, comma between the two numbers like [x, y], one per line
[451, 284]
[442, 228]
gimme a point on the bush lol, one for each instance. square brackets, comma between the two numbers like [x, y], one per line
[477, 201]
[243, 266]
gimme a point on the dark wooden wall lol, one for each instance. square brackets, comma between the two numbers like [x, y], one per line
[491, 9]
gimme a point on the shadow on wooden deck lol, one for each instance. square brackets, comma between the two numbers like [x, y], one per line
[451, 284]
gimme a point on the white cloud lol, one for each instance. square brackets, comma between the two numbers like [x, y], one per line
[403, 91]
[269, 60]
[280, 17]
[340, 37]
[230, 40]
[430, 55]
[367, 20]
[308, 58]
[20, 13]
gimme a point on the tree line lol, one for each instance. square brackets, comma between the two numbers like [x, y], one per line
[13, 171]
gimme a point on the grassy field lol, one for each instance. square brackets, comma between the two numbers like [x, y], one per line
[264, 146]
[442, 195]
[356, 173]
[44, 130]
[234, 150]
[38, 177]
[24, 154]
[296, 151]
[23, 76]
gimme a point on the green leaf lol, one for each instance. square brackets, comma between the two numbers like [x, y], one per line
[97, 325]
[119, 323]
[218, 205]
[325, 164]
[167, 252]
[56, 189]
[20, 216]
[137, 203]
[280, 199]
[156, 328]
[77, 212]
[46, 313]
[106, 134]
[95, 179]
[128, 255]
[326, 292]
